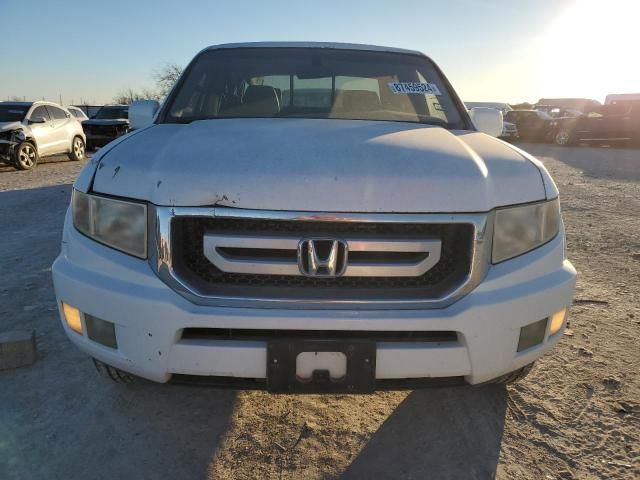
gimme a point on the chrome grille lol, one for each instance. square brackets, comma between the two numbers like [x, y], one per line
[177, 246]
[454, 256]
[289, 255]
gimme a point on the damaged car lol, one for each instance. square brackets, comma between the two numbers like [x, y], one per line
[109, 123]
[31, 130]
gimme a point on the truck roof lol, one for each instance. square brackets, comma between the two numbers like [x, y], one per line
[330, 45]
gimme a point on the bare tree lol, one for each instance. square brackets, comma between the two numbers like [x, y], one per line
[166, 77]
[126, 96]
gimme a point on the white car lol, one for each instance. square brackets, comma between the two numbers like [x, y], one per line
[313, 217]
[78, 113]
[503, 107]
[30, 130]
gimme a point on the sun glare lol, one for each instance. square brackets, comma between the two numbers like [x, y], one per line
[590, 50]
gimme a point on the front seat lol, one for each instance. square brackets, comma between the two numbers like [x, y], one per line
[260, 101]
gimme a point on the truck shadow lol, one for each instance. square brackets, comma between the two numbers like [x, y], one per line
[58, 417]
[437, 434]
[60, 420]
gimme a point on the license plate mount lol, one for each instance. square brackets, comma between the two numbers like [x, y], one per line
[360, 375]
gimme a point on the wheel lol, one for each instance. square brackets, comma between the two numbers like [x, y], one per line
[562, 138]
[114, 373]
[514, 376]
[77, 149]
[25, 156]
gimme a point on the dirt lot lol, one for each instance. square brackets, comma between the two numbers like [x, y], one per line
[576, 416]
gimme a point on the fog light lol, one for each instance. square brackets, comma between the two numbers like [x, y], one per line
[72, 317]
[556, 321]
[101, 331]
[532, 334]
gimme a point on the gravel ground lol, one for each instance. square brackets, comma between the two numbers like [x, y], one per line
[576, 416]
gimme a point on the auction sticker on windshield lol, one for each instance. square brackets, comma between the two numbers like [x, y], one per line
[418, 88]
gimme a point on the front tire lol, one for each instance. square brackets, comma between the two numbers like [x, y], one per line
[562, 138]
[25, 156]
[78, 148]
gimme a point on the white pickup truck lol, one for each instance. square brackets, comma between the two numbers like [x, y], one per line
[313, 217]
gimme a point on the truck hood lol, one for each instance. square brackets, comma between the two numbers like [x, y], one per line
[318, 165]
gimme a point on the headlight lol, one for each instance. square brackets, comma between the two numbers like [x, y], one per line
[119, 224]
[518, 230]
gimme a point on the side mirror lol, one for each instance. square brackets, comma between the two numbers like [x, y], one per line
[487, 120]
[37, 120]
[142, 113]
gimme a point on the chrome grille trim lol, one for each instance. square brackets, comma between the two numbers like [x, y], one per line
[213, 244]
[161, 259]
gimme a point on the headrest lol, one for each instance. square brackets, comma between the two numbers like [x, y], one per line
[260, 100]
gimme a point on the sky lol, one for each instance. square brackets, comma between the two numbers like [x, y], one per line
[490, 50]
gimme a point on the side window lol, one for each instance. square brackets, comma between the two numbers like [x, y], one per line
[41, 112]
[56, 113]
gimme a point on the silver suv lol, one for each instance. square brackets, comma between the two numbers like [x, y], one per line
[30, 130]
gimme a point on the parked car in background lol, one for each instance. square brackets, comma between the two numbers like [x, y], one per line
[615, 98]
[375, 236]
[110, 122]
[619, 123]
[558, 112]
[503, 107]
[509, 131]
[579, 104]
[30, 130]
[77, 113]
[532, 125]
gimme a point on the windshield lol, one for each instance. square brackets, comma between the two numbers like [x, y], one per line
[13, 113]
[313, 83]
[112, 113]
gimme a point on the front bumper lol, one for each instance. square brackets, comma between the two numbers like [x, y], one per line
[6, 150]
[149, 319]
